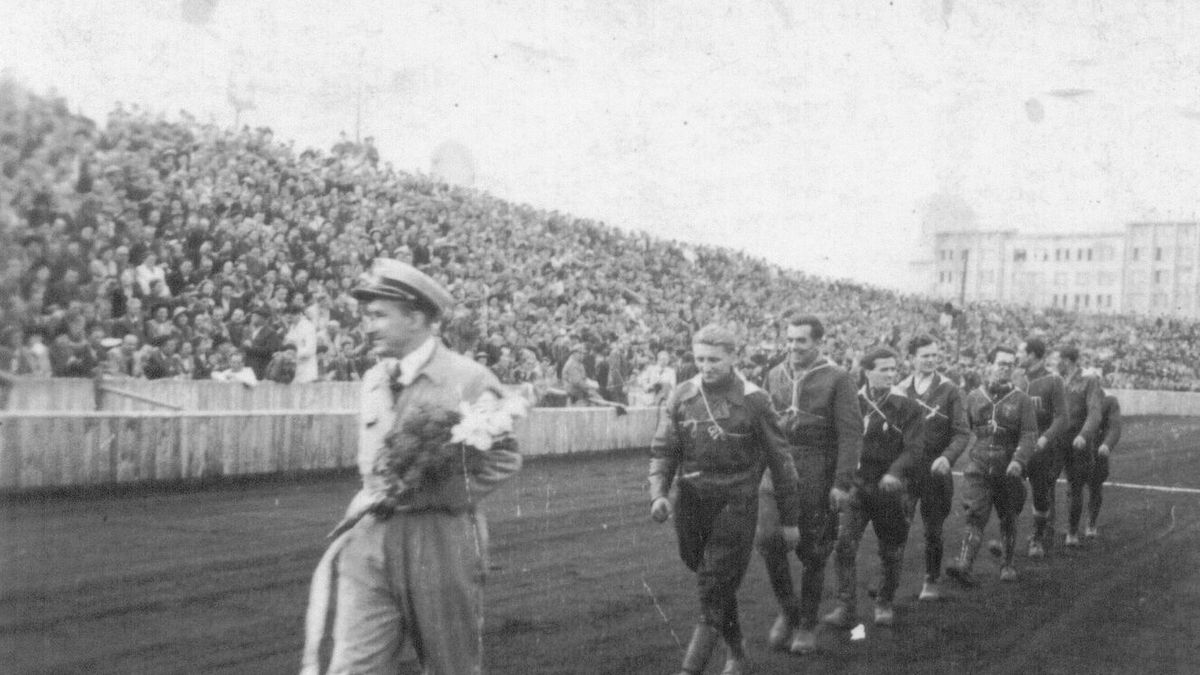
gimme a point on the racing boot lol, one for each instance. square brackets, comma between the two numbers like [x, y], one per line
[777, 637]
[1008, 572]
[735, 659]
[704, 639]
[960, 569]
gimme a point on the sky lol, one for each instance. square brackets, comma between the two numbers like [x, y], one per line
[827, 137]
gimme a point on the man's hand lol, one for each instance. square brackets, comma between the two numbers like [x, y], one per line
[890, 483]
[660, 510]
[1103, 450]
[1015, 469]
[838, 498]
[1041, 442]
[1080, 442]
[791, 536]
[941, 466]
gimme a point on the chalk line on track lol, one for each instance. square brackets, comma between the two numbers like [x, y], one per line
[1135, 486]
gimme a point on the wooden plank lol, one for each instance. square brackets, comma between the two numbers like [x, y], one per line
[10, 452]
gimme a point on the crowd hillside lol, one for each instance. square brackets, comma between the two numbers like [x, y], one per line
[155, 248]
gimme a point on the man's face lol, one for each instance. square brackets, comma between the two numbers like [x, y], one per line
[801, 345]
[392, 329]
[1024, 358]
[927, 358]
[1055, 363]
[715, 362]
[883, 375]
[1001, 368]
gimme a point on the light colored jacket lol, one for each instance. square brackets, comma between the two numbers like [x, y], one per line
[445, 380]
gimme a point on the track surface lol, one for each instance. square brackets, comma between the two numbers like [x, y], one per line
[215, 580]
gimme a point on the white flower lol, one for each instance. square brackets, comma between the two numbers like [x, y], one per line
[486, 421]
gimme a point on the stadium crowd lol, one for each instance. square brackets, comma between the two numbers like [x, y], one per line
[150, 248]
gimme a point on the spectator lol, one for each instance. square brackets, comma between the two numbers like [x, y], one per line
[159, 360]
[260, 342]
[236, 372]
[657, 380]
[149, 272]
[302, 336]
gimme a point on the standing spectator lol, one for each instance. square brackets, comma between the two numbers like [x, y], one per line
[282, 368]
[261, 341]
[574, 375]
[657, 380]
[618, 373]
[303, 335]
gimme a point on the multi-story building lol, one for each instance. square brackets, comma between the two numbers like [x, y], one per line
[1077, 271]
[1149, 268]
[971, 264]
[1161, 269]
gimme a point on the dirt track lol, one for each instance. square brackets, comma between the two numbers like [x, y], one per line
[215, 580]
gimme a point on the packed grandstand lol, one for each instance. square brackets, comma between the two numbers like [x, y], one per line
[152, 247]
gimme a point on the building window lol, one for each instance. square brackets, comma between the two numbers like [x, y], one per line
[1089, 255]
[1019, 255]
[1057, 254]
[1158, 276]
[1133, 254]
[1081, 278]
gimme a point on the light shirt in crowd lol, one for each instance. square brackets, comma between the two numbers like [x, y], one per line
[245, 376]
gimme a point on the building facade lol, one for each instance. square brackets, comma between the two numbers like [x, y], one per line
[1148, 268]
[1161, 269]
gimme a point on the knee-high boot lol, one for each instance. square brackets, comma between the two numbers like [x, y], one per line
[960, 570]
[704, 639]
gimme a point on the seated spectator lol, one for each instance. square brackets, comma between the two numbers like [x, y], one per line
[237, 371]
[161, 360]
[148, 272]
[72, 354]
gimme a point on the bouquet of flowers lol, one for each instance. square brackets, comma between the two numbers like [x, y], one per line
[432, 445]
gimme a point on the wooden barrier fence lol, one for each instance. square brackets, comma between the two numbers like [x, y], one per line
[61, 449]
[68, 394]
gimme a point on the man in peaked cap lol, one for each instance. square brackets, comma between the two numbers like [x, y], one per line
[408, 571]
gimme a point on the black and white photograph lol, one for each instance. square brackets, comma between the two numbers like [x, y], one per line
[380, 337]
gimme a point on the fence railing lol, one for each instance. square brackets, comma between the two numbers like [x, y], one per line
[52, 435]
[54, 394]
[60, 449]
